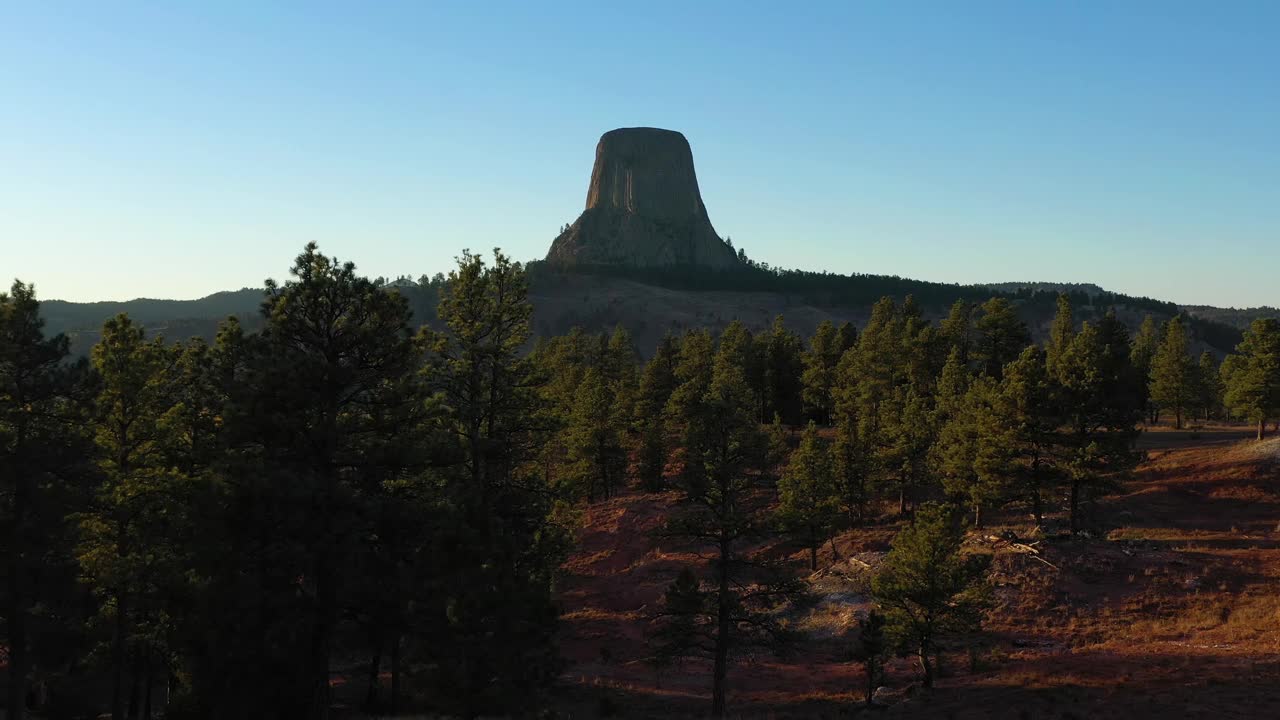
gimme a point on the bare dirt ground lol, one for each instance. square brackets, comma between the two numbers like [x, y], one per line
[1169, 610]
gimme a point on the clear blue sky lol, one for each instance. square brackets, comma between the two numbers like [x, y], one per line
[175, 149]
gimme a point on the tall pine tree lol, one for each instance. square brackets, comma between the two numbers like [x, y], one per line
[1253, 380]
[1173, 372]
[43, 459]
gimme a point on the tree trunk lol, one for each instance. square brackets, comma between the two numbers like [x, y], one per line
[146, 686]
[925, 666]
[1262, 428]
[117, 657]
[721, 668]
[371, 694]
[1037, 505]
[1075, 506]
[977, 516]
[395, 674]
[17, 616]
[721, 671]
[902, 501]
[1177, 418]
[322, 636]
[871, 680]
[835, 552]
[135, 685]
[16, 612]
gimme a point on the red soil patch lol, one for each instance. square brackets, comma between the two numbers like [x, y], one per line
[1173, 613]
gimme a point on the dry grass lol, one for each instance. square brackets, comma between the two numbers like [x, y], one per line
[1175, 603]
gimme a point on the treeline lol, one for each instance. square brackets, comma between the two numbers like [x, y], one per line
[856, 289]
[1241, 318]
[181, 320]
[821, 288]
[236, 521]
[226, 520]
[1212, 332]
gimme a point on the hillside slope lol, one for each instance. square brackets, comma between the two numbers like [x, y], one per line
[1169, 614]
[651, 303]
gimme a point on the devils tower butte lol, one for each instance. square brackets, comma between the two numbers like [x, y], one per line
[643, 207]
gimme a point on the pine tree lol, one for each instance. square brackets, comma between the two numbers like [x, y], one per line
[1208, 395]
[656, 385]
[43, 455]
[1127, 385]
[923, 349]
[953, 383]
[191, 426]
[906, 433]
[1173, 382]
[738, 345]
[1060, 333]
[819, 377]
[505, 543]
[1001, 337]
[1031, 409]
[846, 338]
[807, 504]
[1142, 353]
[851, 465]
[561, 361]
[870, 650]
[694, 371]
[869, 374]
[782, 373]
[957, 329]
[927, 588]
[314, 417]
[685, 626]
[750, 353]
[722, 445]
[973, 449]
[1253, 380]
[124, 552]
[777, 448]
[1094, 376]
[596, 450]
[618, 369]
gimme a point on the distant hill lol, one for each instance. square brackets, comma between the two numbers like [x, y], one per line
[71, 315]
[174, 319]
[179, 320]
[1053, 287]
[1240, 318]
[598, 297]
[653, 301]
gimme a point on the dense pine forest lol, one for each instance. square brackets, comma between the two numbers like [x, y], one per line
[342, 492]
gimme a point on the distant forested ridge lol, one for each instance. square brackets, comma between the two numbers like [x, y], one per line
[178, 320]
[848, 296]
[1240, 318]
[1036, 302]
[1053, 287]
